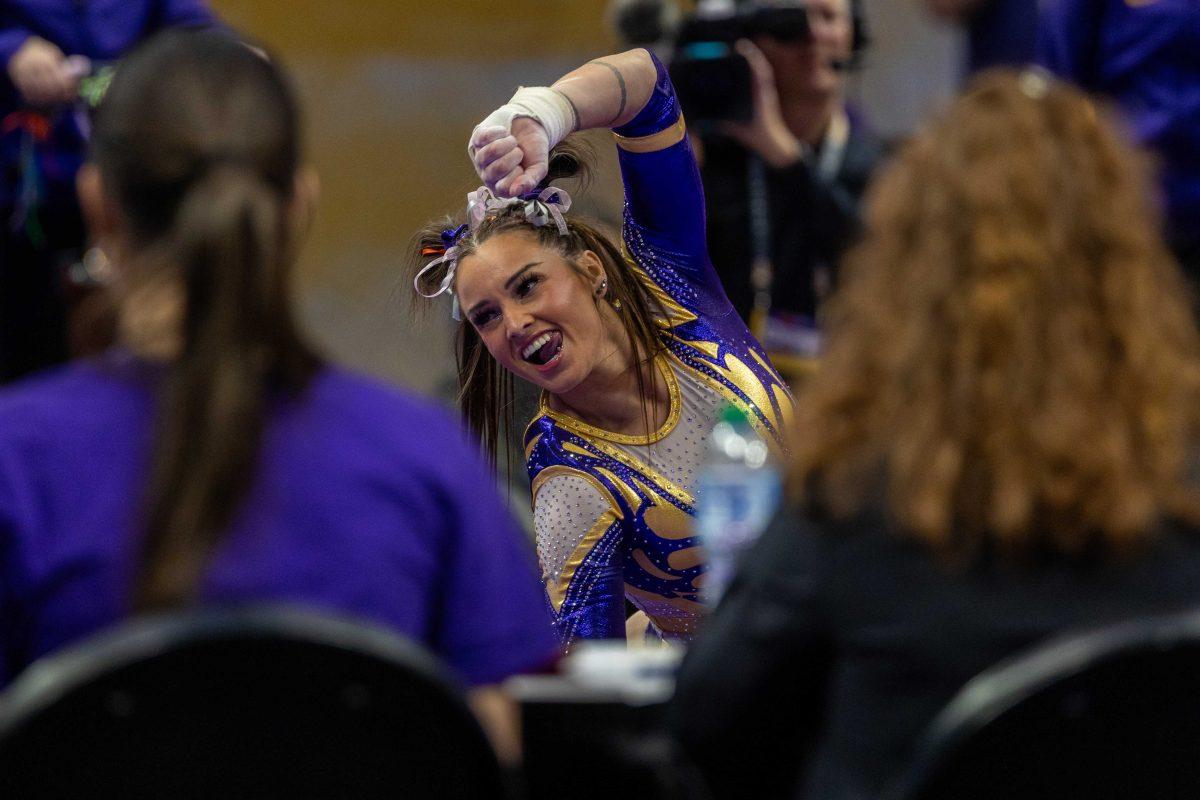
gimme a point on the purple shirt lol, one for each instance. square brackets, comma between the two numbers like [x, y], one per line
[102, 30]
[1146, 57]
[367, 502]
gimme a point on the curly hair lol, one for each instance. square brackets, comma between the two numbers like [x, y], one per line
[1012, 361]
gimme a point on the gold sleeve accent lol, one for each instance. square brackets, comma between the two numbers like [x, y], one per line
[557, 591]
[655, 141]
[557, 469]
[676, 314]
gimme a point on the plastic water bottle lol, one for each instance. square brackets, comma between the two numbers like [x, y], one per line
[737, 492]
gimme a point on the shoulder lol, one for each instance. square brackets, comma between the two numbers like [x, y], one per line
[366, 424]
[560, 466]
[66, 401]
[865, 151]
[378, 407]
[557, 485]
[351, 392]
[804, 542]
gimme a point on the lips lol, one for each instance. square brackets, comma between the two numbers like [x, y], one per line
[544, 350]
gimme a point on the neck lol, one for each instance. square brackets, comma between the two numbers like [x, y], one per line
[808, 117]
[149, 320]
[609, 398]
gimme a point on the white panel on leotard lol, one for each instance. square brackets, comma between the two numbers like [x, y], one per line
[565, 509]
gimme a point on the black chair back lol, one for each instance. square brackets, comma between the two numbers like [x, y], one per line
[257, 703]
[1110, 714]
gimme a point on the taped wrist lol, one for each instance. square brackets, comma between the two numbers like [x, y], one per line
[543, 105]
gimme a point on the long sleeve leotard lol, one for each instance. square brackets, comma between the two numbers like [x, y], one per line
[612, 511]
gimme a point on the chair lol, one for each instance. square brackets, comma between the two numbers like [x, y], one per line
[1110, 714]
[254, 703]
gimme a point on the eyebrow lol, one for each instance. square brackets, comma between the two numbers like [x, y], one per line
[507, 284]
[512, 279]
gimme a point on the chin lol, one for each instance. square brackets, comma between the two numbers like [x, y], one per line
[555, 384]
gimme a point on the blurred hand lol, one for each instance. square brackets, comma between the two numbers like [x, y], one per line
[766, 133]
[42, 74]
[511, 162]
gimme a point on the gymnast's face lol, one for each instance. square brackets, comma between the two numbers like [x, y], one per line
[536, 312]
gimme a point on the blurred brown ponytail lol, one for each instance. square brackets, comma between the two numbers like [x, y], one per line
[197, 141]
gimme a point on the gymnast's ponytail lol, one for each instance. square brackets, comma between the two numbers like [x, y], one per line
[197, 140]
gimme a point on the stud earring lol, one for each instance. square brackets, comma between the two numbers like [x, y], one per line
[603, 290]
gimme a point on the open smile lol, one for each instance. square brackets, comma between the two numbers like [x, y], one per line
[544, 351]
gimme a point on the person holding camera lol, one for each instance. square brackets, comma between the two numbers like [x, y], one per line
[783, 187]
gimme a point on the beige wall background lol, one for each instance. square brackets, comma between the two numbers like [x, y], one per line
[391, 90]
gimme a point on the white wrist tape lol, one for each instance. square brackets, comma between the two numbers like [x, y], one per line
[542, 104]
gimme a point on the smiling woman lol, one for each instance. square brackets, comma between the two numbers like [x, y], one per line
[635, 350]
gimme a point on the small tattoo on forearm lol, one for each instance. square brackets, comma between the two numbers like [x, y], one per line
[620, 82]
[571, 103]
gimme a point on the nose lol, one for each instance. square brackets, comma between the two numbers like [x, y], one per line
[519, 322]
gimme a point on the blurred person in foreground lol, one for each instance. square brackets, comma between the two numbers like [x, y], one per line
[1145, 57]
[782, 191]
[213, 458]
[998, 446]
[57, 56]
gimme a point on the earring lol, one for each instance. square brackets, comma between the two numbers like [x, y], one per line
[94, 269]
[603, 290]
[616, 304]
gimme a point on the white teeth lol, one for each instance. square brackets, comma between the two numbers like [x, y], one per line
[535, 345]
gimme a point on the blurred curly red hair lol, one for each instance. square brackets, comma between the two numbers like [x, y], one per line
[1012, 356]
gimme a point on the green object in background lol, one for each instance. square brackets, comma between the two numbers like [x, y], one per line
[93, 87]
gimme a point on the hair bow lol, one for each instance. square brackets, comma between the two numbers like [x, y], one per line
[540, 207]
[446, 254]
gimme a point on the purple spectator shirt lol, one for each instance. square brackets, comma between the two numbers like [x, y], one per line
[102, 30]
[1145, 55]
[367, 502]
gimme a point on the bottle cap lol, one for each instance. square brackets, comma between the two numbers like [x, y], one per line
[733, 415]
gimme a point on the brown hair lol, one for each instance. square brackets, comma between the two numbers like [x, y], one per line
[197, 141]
[485, 394]
[1012, 351]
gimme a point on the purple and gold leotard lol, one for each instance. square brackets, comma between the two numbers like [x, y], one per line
[612, 512]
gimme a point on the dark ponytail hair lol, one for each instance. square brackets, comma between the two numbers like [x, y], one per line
[197, 142]
[485, 389]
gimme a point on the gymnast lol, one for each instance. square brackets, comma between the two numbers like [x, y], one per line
[635, 349]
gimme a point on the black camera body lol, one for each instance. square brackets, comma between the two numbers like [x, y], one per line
[713, 80]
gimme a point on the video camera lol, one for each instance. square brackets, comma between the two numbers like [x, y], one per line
[712, 79]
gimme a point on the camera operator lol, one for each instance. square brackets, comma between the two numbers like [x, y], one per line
[783, 186]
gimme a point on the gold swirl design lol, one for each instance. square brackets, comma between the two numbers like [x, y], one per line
[643, 561]
[741, 376]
